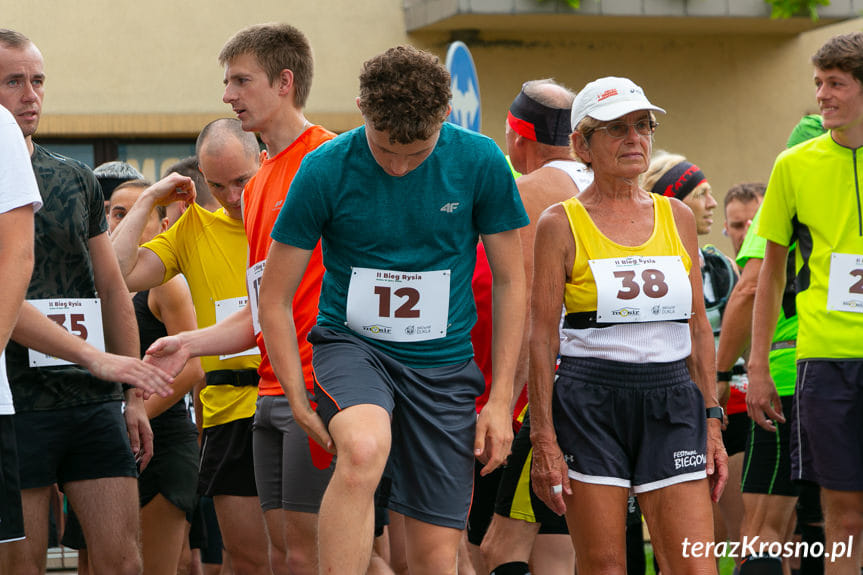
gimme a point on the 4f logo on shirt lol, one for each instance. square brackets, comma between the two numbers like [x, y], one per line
[450, 207]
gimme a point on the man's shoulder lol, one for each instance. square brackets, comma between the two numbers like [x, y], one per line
[547, 182]
[340, 144]
[44, 158]
[317, 135]
[458, 137]
[812, 151]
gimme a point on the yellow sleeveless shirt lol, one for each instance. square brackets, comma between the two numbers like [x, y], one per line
[582, 335]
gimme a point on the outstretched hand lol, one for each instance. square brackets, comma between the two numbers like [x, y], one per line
[149, 379]
[168, 354]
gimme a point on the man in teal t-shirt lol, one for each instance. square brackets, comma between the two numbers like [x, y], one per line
[398, 205]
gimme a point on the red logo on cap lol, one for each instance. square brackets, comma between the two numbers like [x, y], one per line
[607, 94]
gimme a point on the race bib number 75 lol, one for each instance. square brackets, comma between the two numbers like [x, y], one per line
[82, 317]
[641, 288]
[398, 306]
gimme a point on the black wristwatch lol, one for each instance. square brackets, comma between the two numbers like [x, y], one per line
[716, 412]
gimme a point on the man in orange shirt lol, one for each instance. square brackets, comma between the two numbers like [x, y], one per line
[268, 73]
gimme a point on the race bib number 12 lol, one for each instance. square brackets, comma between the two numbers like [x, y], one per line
[398, 306]
[82, 317]
[638, 289]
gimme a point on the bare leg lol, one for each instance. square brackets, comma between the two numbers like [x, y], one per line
[465, 566]
[107, 509]
[843, 519]
[552, 554]
[301, 532]
[508, 540]
[275, 521]
[163, 526]
[431, 549]
[380, 562]
[346, 526]
[28, 556]
[677, 513]
[186, 564]
[729, 520]
[596, 516]
[244, 534]
[84, 562]
[398, 551]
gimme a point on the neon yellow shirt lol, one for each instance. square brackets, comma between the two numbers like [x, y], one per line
[814, 197]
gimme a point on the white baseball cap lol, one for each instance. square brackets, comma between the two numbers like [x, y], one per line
[609, 98]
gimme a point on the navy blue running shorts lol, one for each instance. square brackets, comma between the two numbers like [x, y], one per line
[638, 426]
[827, 430]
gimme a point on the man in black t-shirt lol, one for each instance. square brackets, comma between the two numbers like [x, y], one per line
[69, 422]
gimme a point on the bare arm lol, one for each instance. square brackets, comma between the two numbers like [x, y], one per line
[554, 253]
[231, 335]
[121, 337]
[762, 399]
[494, 426]
[16, 262]
[702, 361]
[538, 190]
[36, 331]
[172, 305]
[285, 267]
[140, 267]
[737, 323]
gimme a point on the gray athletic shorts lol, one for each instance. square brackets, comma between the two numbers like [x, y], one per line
[284, 473]
[639, 426]
[433, 421]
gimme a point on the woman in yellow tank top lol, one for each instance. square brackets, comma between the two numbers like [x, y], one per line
[626, 409]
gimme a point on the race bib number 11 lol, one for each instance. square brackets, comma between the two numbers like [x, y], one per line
[398, 306]
[253, 284]
[637, 289]
[226, 307]
[82, 317]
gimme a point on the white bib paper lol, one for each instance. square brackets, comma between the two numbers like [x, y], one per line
[253, 285]
[226, 307]
[845, 290]
[398, 306]
[80, 316]
[639, 289]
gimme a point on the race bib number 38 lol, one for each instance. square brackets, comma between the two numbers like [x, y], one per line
[82, 317]
[637, 289]
[845, 290]
[398, 306]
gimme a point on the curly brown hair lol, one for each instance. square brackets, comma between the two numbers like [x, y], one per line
[406, 92]
[843, 52]
[276, 47]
